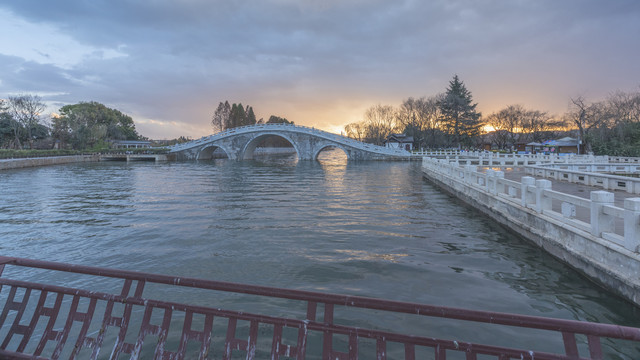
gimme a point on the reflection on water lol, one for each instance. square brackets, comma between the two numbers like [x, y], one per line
[363, 228]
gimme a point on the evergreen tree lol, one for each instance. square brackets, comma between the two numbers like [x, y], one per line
[238, 116]
[278, 120]
[231, 116]
[251, 117]
[460, 119]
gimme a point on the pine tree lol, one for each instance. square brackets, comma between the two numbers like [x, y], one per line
[460, 119]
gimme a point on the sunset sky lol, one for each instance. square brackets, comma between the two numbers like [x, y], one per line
[168, 63]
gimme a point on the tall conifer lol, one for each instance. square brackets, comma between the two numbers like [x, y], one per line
[459, 116]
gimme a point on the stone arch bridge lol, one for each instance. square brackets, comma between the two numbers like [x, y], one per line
[240, 143]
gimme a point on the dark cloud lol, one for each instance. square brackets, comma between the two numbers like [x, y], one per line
[19, 76]
[173, 61]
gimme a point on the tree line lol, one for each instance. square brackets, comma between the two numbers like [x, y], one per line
[82, 126]
[450, 120]
[229, 116]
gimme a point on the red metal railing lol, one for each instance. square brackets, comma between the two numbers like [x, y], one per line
[48, 323]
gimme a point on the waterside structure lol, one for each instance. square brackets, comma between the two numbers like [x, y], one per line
[599, 235]
[6, 164]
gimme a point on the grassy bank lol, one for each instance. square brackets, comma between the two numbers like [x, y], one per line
[25, 154]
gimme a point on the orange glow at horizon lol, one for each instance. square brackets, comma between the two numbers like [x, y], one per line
[488, 129]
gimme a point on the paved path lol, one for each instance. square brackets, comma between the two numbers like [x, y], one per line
[580, 190]
[566, 187]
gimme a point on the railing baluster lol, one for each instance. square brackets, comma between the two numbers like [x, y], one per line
[381, 349]
[49, 333]
[595, 349]
[409, 351]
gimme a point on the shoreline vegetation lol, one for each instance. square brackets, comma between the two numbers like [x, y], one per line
[33, 153]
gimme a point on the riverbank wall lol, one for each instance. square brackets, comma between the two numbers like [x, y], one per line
[593, 236]
[6, 164]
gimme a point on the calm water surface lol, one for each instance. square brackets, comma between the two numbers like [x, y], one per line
[372, 229]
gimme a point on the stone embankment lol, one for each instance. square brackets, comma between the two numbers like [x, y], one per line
[42, 161]
[592, 235]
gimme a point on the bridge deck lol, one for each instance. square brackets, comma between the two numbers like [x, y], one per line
[60, 321]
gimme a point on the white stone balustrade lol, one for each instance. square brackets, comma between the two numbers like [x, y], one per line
[601, 220]
[632, 224]
[600, 215]
[598, 175]
[527, 191]
[543, 200]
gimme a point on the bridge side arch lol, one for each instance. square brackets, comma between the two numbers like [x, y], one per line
[206, 152]
[249, 148]
[331, 145]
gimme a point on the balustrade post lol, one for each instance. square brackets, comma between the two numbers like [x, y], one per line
[528, 198]
[499, 186]
[632, 224]
[542, 202]
[491, 181]
[601, 222]
[471, 173]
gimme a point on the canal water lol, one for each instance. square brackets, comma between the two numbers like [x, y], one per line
[373, 229]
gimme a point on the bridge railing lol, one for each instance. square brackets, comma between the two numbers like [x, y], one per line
[44, 320]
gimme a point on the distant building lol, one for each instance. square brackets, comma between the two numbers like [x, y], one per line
[399, 141]
[566, 145]
[533, 147]
[130, 144]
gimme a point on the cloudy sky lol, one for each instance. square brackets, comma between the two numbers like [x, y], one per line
[321, 63]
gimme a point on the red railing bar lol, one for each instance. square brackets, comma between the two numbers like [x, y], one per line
[5, 354]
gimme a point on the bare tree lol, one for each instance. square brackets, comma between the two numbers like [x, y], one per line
[355, 131]
[537, 124]
[507, 124]
[587, 117]
[380, 122]
[220, 119]
[624, 107]
[420, 118]
[26, 110]
[409, 114]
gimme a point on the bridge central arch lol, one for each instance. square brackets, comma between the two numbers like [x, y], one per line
[328, 147]
[212, 152]
[250, 147]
